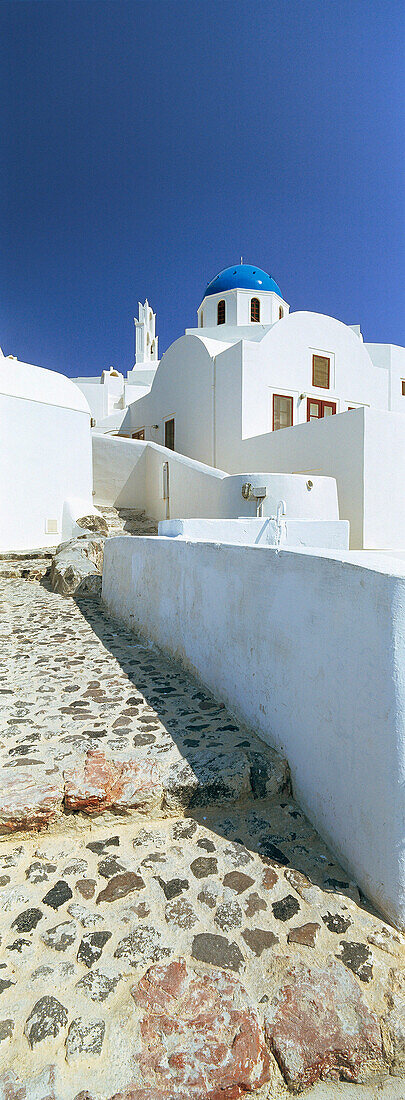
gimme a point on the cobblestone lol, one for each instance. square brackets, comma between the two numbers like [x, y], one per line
[96, 906]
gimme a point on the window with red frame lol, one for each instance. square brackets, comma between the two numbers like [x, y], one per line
[317, 409]
[255, 309]
[282, 411]
[221, 312]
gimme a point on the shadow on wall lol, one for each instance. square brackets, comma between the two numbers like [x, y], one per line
[129, 474]
[168, 485]
[219, 772]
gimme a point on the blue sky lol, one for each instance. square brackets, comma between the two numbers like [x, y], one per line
[146, 145]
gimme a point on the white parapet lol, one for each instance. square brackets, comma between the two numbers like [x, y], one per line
[327, 534]
[306, 647]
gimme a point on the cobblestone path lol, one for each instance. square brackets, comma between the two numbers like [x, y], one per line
[172, 928]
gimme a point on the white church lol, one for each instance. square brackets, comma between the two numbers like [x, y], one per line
[249, 367]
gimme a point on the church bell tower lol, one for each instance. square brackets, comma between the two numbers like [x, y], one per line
[146, 341]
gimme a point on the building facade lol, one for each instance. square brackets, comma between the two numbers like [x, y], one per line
[252, 367]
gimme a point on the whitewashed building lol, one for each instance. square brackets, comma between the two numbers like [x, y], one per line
[45, 456]
[251, 367]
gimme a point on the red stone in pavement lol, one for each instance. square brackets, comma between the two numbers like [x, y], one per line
[319, 1026]
[99, 784]
[29, 798]
[43, 1085]
[200, 1038]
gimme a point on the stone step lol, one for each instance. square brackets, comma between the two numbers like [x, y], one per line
[127, 521]
[24, 568]
[131, 513]
[97, 783]
[27, 555]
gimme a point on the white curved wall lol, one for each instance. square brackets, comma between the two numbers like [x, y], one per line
[31, 383]
[305, 498]
[309, 650]
[45, 455]
[183, 388]
[129, 474]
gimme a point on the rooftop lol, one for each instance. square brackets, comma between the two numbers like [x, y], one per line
[242, 277]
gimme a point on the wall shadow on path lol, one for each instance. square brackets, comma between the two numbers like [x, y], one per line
[198, 723]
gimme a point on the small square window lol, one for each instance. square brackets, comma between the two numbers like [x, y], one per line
[321, 372]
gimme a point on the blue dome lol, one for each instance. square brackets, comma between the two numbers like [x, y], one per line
[241, 277]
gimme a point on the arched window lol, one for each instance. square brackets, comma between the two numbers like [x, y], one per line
[221, 312]
[255, 309]
[280, 313]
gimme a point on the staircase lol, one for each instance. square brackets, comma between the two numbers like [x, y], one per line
[127, 521]
[29, 565]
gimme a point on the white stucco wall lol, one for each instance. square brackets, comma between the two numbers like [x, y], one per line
[45, 456]
[237, 307]
[364, 450]
[333, 447]
[129, 473]
[119, 472]
[330, 535]
[282, 363]
[182, 389]
[220, 391]
[110, 393]
[384, 480]
[391, 357]
[310, 651]
[96, 396]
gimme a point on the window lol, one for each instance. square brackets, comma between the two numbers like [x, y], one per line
[317, 409]
[201, 318]
[403, 387]
[280, 313]
[282, 411]
[320, 372]
[255, 309]
[140, 434]
[169, 434]
[221, 312]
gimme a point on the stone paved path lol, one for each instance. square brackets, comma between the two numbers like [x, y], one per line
[172, 928]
